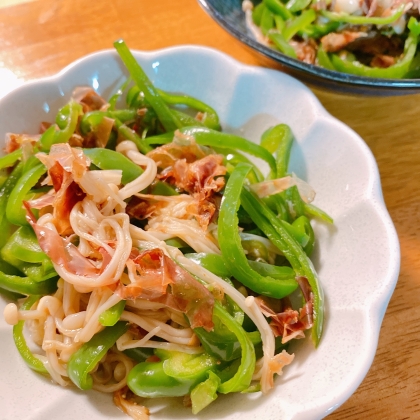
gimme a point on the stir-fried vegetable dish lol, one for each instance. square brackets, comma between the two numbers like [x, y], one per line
[146, 254]
[372, 38]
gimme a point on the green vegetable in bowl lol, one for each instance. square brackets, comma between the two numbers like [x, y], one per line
[150, 254]
[378, 40]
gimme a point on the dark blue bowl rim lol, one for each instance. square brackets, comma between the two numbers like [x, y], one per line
[310, 69]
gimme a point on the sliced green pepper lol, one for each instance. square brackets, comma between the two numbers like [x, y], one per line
[54, 135]
[15, 212]
[277, 7]
[139, 354]
[5, 191]
[205, 393]
[243, 375]
[23, 245]
[92, 119]
[396, 71]
[10, 159]
[207, 137]
[187, 366]
[175, 375]
[266, 220]
[112, 315]
[364, 20]
[282, 44]
[303, 225]
[297, 5]
[313, 211]
[149, 380]
[298, 24]
[230, 242]
[166, 117]
[30, 359]
[84, 360]
[109, 159]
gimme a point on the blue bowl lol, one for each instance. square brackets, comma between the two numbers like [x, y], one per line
[229, 15]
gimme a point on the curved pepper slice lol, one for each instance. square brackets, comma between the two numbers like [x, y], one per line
[84, 360]
[230, 242]
[30, 359]
[266, 220]
[168, 119]
[15, 212]
[54, 135]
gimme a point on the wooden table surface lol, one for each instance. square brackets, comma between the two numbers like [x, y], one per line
[39, 38]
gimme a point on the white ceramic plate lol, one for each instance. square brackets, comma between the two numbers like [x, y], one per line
[357, 259]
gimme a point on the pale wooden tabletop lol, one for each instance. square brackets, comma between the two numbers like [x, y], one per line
[39, 38]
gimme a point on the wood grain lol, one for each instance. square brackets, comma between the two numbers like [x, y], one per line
[41, 37]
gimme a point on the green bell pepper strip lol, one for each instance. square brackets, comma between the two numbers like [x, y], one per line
[324, 59]
[92, 119]
[243, 376]
[30, 163]
[364, 20]
[166, 117]
[233, 157]
[396, 71]
[5, 190]
[161, 188]
[278, 205]
[295, 204]
[297, 5]
[303, 225]
[24, 253]
[280, 24]
[414, 70]
[257, 13]
[216, 264]
[230, 242]
[53, 135]
[279, 140]
[15, 212]
[221, 343]
[313, 211]
[212, 120]
[282, 45]
[267, 21]
[277, 7]
[317, 31]
[117, 95]
[205, 393]
[112, 315]
[414, 25]
[298, 24]
[109, 159]
[139, 354]
[129, 134]
[208, 137]
[136, 100]
[10, 159]
[30, 359]
[149, 380]
[37, 272]
[23, 245]
[266, 220]
[84, 360]
[211, 262]
[187, 366]
[187, 120]
[11, 279]
[27, 286]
